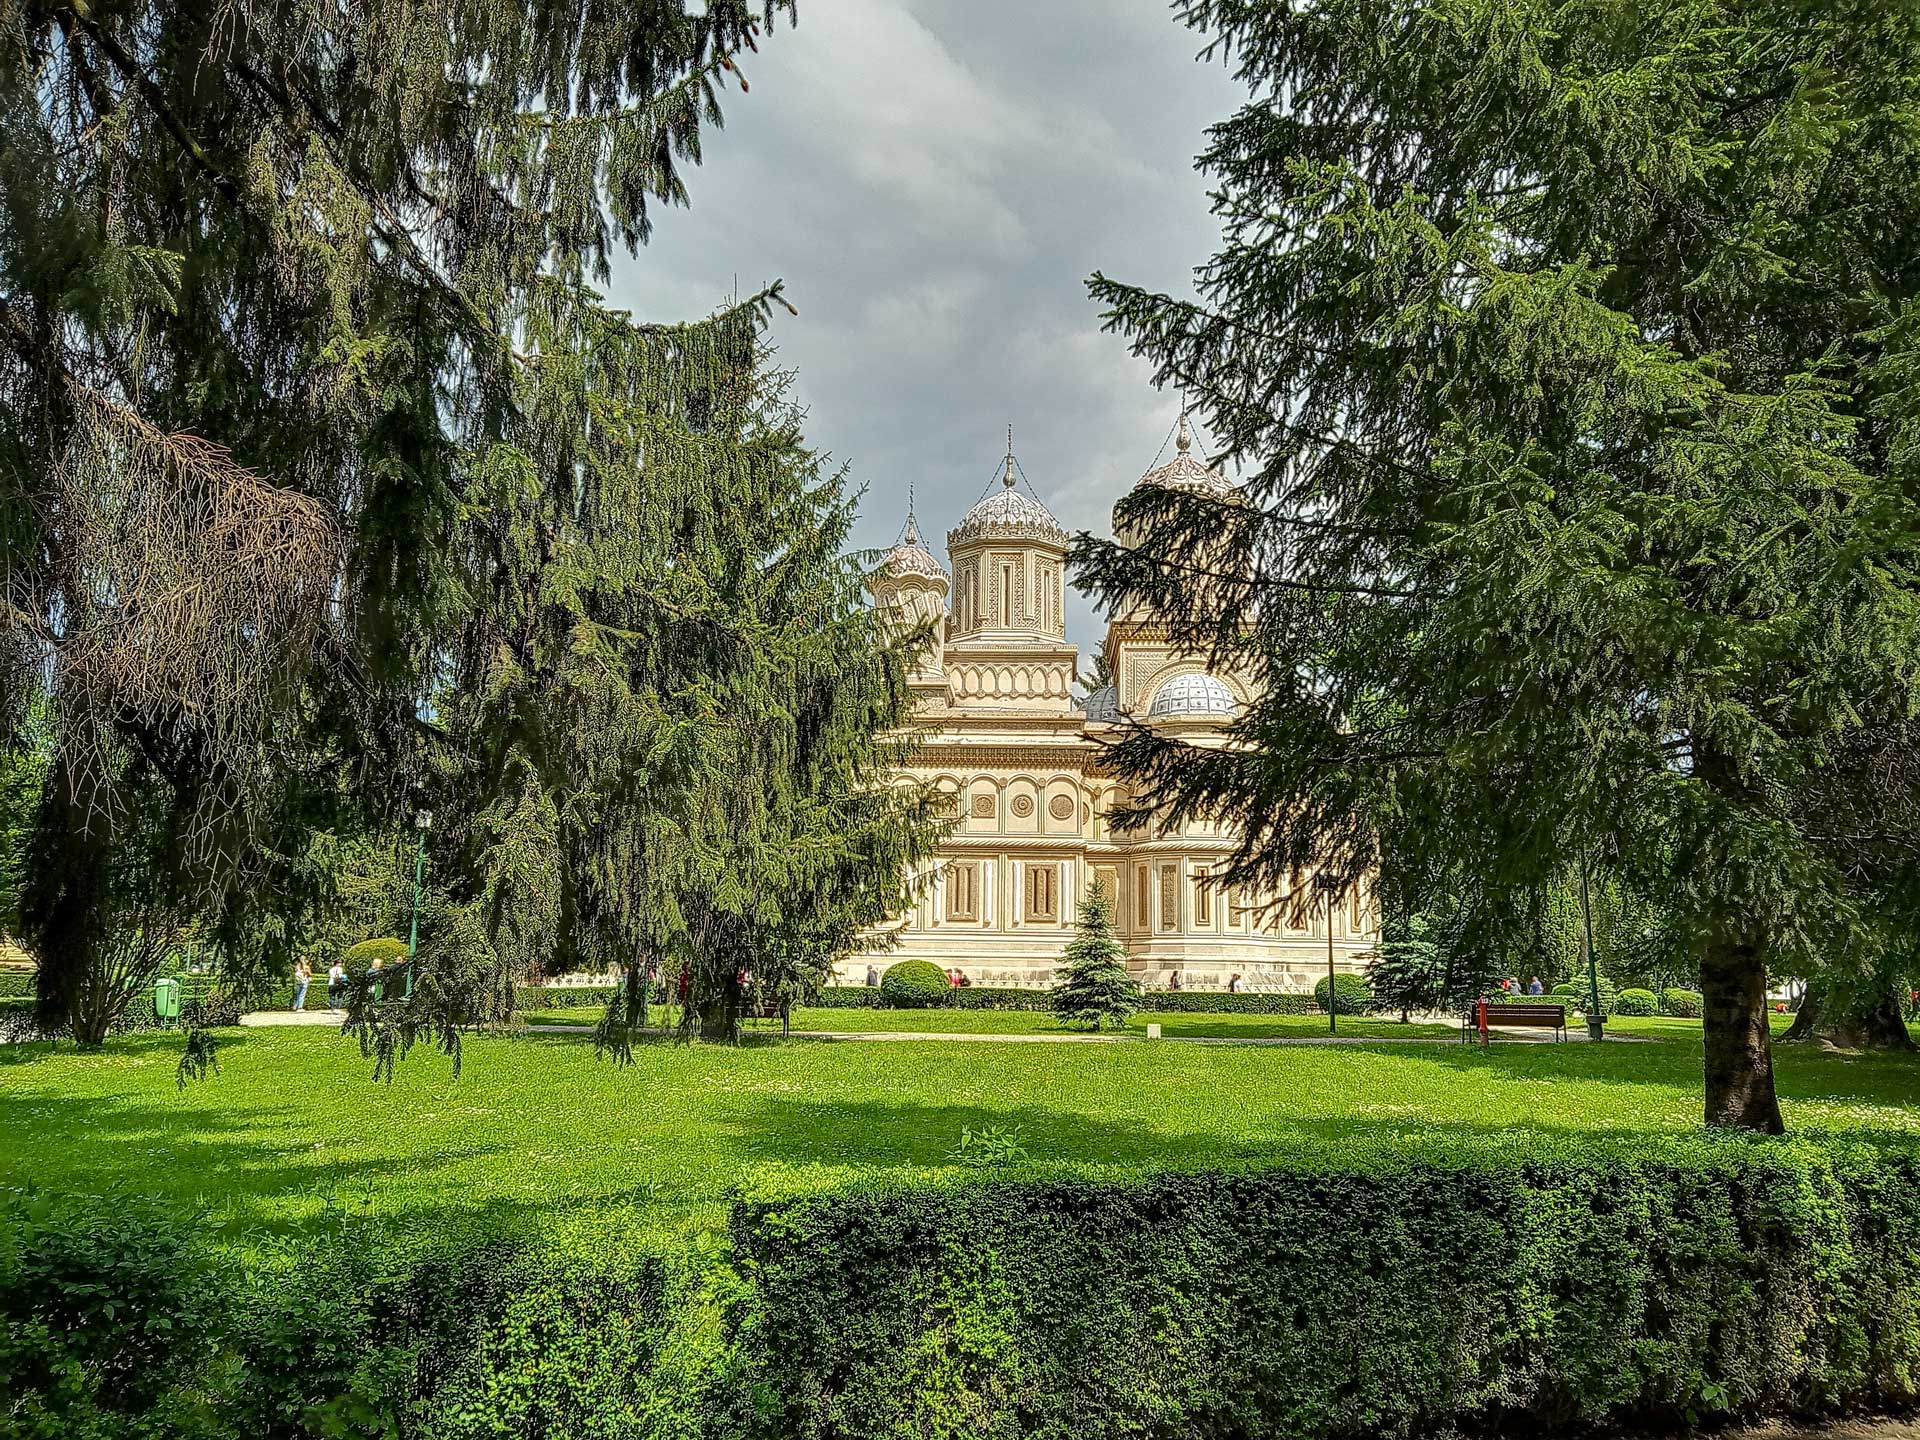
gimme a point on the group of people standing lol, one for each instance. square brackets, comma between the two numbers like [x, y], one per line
[336, 983]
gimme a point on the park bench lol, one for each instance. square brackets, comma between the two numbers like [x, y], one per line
[1514, 1017]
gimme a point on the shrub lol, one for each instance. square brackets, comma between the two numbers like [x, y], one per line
[1637, 1002]
[574, 997]
[1684, 1003]
[1576, 996]
[1352, 995]
[16, 1020]
[913, 984]
[15, 983]
[359, 958]
[109, 1321]
[1386, 1299]
[1216, 1002]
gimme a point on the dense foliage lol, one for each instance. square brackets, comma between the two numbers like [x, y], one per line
[332, 490]
[914, 983]
[1571, 1291]
[1393, 1301]
[1408, 972]
[1093, 988]
[1351, 994]
[1683, 1003]
[1570, 352]
[1636, 1002]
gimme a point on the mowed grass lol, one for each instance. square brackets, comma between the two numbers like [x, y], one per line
[1034, 1022]
[292, 1138]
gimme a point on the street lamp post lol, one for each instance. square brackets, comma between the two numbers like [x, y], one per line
[1333, 1003]
[422, 822]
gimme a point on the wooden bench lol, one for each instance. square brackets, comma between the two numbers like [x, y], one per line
[1515, 1017]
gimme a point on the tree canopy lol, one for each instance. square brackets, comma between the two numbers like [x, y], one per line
[332, 489]
[1570, 353]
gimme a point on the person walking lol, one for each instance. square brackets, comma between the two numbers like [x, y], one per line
[302, 977]
[1534, 987]
[873, 978]
[336, 982]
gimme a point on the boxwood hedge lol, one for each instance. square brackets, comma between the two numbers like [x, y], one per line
[1398, 1301]
[1367, 1296]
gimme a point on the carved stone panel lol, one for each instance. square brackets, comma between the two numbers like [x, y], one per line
[983, 808]
[1022, 806]
[1061, 807]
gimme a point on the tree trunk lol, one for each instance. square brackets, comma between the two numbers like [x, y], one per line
[1868, 1019]
[1739, 1050]
[720, 1011]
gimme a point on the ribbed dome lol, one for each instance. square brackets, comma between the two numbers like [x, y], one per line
[1183, 472]
[1192, 694]
[1008, 515]
[910, 557]
[1103, 706]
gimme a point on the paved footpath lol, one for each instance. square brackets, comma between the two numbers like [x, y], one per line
[1518, 1037]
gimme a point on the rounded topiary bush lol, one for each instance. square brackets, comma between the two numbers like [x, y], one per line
[1637, 1002]
[912, 984]
[1351, 995]
[1684, 1003]
[359, 958]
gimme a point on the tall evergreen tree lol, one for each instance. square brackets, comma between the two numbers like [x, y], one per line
[288, 293]
[1571, 350]
[1094, 986]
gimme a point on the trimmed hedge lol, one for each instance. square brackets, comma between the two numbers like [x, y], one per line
[16, 984]
[1373, 1298]
[1398, 1301]
[1218, 1002]
[359, 958]
[990, 997]
[1637, 1002]
[567, 997]
[1351, 994]
[1686, 1004]
[914, 984]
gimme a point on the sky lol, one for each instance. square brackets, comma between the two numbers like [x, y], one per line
[934, 181]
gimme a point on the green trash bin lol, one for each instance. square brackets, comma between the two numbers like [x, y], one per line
[166, 999]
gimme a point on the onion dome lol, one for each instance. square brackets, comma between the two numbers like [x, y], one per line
[1192, 695]
[1008, 515]
[1103, 706]
[1183, 472]
[910, 557]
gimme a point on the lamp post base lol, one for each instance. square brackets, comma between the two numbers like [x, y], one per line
[1596, 1028]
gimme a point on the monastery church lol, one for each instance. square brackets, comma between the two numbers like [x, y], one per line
[1021, 757]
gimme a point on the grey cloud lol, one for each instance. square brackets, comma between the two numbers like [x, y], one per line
[934, 180]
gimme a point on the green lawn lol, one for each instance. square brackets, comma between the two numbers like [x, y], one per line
[291, 1131]
[1033, 1022]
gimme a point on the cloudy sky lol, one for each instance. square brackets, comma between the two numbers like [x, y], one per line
[934, 180]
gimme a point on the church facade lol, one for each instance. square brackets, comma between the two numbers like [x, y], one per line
[1020, 756]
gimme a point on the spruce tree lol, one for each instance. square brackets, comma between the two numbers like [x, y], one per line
[1568, 353]
[1094, 987]
[1407, 972]
[297, 320]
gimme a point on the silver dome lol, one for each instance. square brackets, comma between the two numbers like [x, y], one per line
[1192, 694]
[1103, 706]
